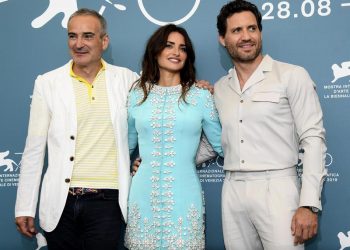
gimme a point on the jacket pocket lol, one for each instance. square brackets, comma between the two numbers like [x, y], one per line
[273, 97]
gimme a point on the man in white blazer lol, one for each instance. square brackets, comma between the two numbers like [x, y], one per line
[79, 112]
[268, 109]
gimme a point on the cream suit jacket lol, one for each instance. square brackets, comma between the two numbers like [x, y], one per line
[53, 123]
[264, 124]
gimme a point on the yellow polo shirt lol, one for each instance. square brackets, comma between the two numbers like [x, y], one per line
[95, 164]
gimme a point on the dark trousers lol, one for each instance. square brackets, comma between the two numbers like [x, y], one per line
[88, 222]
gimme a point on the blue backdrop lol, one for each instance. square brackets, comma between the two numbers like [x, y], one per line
[312, 33]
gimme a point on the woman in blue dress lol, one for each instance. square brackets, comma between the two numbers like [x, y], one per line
[166, 115]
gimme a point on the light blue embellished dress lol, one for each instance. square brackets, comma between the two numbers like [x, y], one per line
[166, 208]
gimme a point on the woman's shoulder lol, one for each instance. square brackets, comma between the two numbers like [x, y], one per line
[198, 96]
[200, 92]
[135, 95]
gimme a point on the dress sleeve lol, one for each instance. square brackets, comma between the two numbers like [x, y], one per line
[132, 132]
[211, 122]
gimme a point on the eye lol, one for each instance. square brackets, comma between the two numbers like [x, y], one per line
[183, 48]
[236, 30]
[168, 45]
[252, 28]
[88, 36]
[71, 36]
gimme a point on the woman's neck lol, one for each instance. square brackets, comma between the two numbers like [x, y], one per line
[168, 79]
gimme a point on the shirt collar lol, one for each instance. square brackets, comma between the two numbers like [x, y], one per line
[81, 79]
[266, 64]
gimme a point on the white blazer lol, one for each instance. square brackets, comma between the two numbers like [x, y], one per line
[53, 122]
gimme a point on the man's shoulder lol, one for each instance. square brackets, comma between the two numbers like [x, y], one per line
[116, 68]
[121, 75]
[57, 72]
[294, 73]
[222, 81]
[120, 70]
[284, 66]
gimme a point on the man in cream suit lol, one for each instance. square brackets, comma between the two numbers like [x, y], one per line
[268, 109]
[79, 112]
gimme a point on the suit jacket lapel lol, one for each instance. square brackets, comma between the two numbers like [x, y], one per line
[67, 95]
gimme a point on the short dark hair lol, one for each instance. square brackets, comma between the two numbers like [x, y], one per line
[150, 69]
[94, 13]
[233, 7]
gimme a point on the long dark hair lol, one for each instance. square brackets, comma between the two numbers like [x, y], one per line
[150, 69]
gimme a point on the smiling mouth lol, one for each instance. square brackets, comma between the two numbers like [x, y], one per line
[80, 53]
[246, 45]
[174, 60]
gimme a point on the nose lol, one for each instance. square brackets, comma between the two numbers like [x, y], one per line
[79, 42]
[245, 35]
[176, 51]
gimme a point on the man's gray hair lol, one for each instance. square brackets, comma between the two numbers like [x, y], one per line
[94, 13]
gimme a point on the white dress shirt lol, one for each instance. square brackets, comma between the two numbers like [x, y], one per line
[264, 124]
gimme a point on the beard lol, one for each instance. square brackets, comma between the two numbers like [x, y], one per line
[242, 57]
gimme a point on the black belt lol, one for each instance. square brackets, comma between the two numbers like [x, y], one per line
[79, 191]
[82, 191]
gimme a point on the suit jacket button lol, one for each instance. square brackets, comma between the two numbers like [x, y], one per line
[67, 180]
[71, 158]
[72, 137]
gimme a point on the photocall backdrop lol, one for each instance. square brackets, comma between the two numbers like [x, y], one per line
[312, 33]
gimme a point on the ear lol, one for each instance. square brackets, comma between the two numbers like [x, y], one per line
[105, 42]
[222, 41]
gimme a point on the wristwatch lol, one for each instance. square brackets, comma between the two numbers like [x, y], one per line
[312, 209]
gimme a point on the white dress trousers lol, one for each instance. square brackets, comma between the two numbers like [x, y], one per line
[258, 208]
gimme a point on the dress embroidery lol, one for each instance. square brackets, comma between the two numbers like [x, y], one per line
[166, 208]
